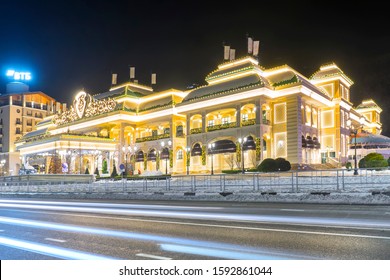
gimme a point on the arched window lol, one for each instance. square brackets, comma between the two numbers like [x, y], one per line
[179, 131]
[179, 154]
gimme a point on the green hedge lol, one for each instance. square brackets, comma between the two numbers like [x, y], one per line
[273, 165]
[373, 160]
[235, 171]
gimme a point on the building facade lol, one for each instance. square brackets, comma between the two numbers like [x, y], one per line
[244, 114]
[20, 111]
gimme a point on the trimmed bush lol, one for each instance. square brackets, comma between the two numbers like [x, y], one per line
[251, 170]
[234, 171]
[104, 167]
[268, 165]
[87, 171]
[97, 172]
[282, 164]
[273, 165]
[362, 163]
[373, 160]
[388, 161]
[348, 165]
[114, 172]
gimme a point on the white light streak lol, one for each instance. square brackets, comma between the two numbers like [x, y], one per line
[50, 250]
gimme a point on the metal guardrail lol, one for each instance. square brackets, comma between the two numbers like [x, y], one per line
[337, 180]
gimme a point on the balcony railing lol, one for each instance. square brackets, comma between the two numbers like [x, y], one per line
[267, 122]
[195, 130]
[248, 122]
[152, 138]
[17, 102]
[180, 134]
[221, 126]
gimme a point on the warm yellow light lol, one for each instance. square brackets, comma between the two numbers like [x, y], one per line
[238, 62]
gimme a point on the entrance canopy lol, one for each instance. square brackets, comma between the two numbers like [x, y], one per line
[222, 147]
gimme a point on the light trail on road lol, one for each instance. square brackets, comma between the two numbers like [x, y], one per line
[318, 221]
[205, 230]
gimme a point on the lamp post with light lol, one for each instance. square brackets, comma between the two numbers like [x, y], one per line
[354, 131]
[242, 141]
[2, 163]
[211, 147]
[188, 150]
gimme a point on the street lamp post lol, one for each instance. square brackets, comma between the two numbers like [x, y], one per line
[2, 163]
[211, 147]
[188, 150]
[125, 153]
[242, 141]
[354, 131]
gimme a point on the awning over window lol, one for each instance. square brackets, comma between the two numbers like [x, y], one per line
[249, 144]
[140, 156]
[152, 155]
[309, 142]
[304, 144]
[196, 150]
[317, 144]
[165, 153]
[222, 147]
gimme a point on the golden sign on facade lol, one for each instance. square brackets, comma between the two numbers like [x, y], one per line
[84, 106]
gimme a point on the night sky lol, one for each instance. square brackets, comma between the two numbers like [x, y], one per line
[74, 45]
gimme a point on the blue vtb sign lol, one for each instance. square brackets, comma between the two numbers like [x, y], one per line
[19, 76]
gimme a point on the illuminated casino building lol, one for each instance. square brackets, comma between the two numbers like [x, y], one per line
[243, 111]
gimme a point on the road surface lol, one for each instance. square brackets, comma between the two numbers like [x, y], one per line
[183, 230]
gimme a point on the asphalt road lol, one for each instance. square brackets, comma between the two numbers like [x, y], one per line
[183, 230]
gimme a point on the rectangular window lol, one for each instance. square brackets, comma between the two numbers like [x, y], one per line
[17, 130]
[154, 133]
[327, 142]
[328, 89]
[342, 94]
[179, 154]
[315, 117]
[281, 144]
[368, 116]
[280, 113]
[225, 120]
[166, 130]
[327, 119]
[308, 115]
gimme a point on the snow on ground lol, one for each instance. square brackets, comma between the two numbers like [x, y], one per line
[369, 187]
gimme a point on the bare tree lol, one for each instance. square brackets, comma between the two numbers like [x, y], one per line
[252, 159]
[231, 160]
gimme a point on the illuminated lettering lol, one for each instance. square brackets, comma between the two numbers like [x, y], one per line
[24, 76]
